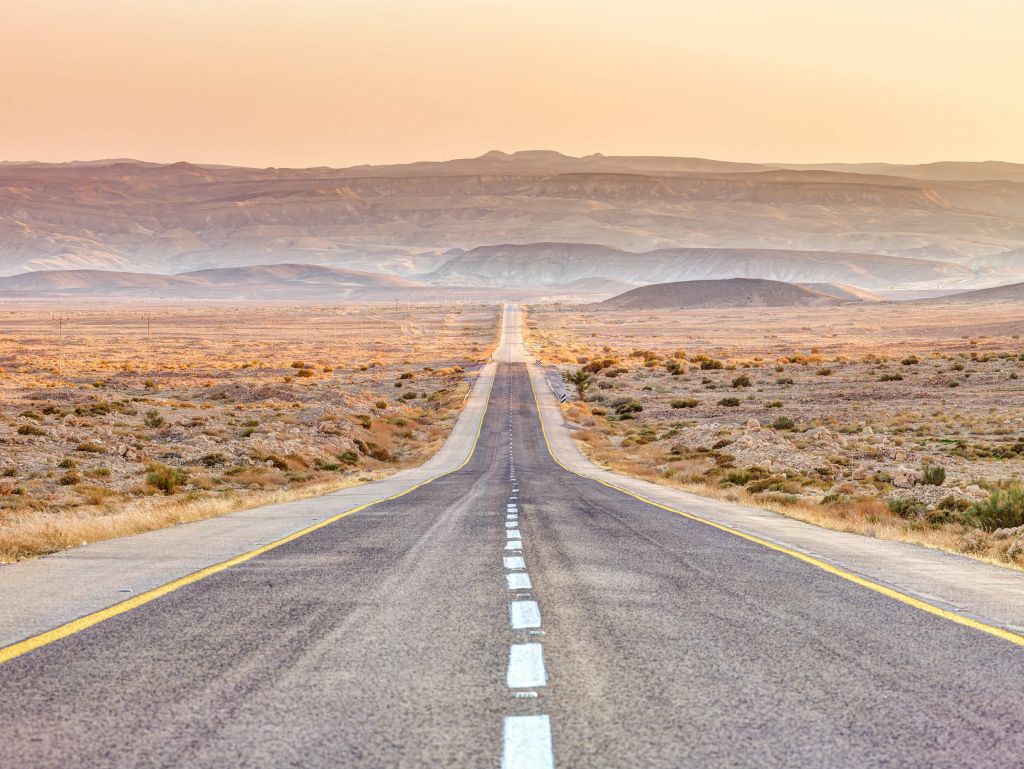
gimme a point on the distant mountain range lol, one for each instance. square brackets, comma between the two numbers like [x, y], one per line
[638, 219]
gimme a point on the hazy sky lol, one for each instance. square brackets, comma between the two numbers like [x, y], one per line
[341, 82]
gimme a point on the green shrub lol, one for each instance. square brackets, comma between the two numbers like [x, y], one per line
[31, 430]
[741, 381]
[730, 402]
[685, 403]
[824, 372]
[891, 378]
[153, 419]
[381, 404]
[933, 475]
[910, 360]
[166, 479]
[69, 478]
[783, 423]
[674, 367]
[304, 373]
[348, 457]
[784, 380]
[1004, 509]
[213, 460]
[90, 448]
[710, 364]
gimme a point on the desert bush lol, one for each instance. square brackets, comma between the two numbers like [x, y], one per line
[784, 380]
[824, 372]
[710, 364]
[933, 475]
[67, 463]
[580, 379]
[685, 403]
[213, 459]
[298, 364]
[153, 419]
[348, 457]
[783, 423]
[730, 402]
[305, 373]
[1003, 509]
[166, 479]
[90, 448]
[910, 360]
[891, 378]
[625, 407]
[408, 396]
[746, 475]
[741, 381]
[905, 507]
[69, 478]
[381, 404]
[674, 367]
[31, 430]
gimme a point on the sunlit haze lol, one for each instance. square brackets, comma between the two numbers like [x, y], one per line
[335, 82]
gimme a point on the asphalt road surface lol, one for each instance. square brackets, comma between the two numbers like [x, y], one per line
[514, 614]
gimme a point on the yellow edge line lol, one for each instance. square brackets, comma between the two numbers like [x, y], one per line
[8, 653]
[917, 603]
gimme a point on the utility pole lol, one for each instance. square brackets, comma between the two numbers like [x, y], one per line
[60, 343]
[149, 342]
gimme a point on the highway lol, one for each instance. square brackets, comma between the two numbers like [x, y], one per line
[514, 614]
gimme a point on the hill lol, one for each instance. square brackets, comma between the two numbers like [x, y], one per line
[551, 264]
[277, 281]
[1012, 293]
[734, 292]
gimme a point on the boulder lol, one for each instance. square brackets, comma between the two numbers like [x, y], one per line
[905, 478]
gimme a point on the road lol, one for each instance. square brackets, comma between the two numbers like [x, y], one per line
[514, 614]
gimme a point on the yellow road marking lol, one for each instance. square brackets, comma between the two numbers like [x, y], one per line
[19, 648]
[917, 603]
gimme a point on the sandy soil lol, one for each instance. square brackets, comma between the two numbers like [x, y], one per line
[827, 414]
[119, 429]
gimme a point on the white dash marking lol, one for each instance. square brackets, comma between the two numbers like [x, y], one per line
[514, 562]
[526, 666]
[514, 544]
[526, 743]
[518, 581]
[524, 614]
[513, 534]
[511, 523]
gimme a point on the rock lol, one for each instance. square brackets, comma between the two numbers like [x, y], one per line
[901, 456]
[905, 478]
[860, 473]
[976, 492]
[867, 431]
[752, 424]
[6, 488]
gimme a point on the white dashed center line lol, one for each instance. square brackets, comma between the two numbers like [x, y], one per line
[518, 581]
[524, 615]
[526, 666]
[527, 743]
[514, 562]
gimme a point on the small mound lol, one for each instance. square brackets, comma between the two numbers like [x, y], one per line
[733, 292]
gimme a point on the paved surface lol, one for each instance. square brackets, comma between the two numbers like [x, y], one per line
[515, 614]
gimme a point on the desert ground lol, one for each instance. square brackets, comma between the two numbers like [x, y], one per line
[895, 420]
[142, 418]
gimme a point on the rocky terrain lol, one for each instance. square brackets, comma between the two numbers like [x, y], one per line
[123, 427]
[963, 221]
[898, 421]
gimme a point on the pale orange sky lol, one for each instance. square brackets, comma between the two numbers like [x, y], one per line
[341, 82]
